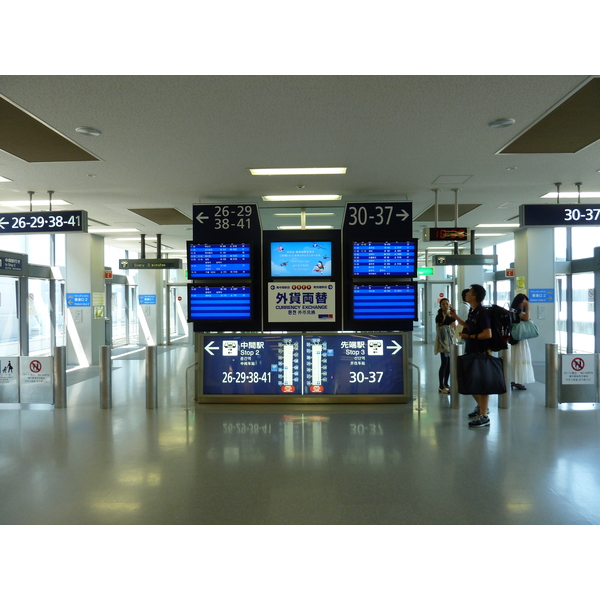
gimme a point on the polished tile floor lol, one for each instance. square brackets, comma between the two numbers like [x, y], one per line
[283, 464]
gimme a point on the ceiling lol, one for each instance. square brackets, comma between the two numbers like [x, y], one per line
[168, 142]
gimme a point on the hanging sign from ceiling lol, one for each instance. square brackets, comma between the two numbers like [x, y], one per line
[64, 221]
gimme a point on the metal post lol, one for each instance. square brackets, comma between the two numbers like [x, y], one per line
[504, 399]
[105, 378]
[151, 378]
[454, 395]
[60, 377]
[552, 375]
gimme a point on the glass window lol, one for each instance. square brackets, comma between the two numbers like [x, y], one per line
[39, 249]
[13, 243]
[503, 296]
[506, 255]
[560, 243]
[583, 312]
[583, 241]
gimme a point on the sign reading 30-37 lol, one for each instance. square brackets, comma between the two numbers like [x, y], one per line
[377, 219]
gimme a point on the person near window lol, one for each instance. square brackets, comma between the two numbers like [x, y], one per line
[522, 368]
[444, 337]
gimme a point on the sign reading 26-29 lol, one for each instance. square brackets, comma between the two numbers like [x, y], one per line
[559, 215]
[63, 221]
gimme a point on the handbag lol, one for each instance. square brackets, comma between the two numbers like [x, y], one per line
[524, 330]
[480, 374]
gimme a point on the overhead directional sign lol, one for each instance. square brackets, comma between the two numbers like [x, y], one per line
[464, 259]
[64, 221]
[224, 222]
[150, 263]
[370, 219]
[559, 215]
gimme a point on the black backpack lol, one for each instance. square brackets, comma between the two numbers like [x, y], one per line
[502, 321]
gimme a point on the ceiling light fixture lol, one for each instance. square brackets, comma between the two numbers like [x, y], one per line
[308, 214]
[488, 234]
[91, 131]
[98, 230]
[500, 123]
[554, 195]
[4, 179]
[15, 203]
[306, 227]
[307, 171]
[513, 225]
[300, 197]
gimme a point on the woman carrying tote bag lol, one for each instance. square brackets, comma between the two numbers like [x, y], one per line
[522, 368]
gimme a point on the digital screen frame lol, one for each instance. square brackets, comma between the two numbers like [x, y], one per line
[216, 261]
[374, 259]
[382, 305]
[218, 307]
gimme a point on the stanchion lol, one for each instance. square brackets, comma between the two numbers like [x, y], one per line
[454, 395]
[151, 378]
[60, 377]
[105, 378]
[552, 375]
[504, 399]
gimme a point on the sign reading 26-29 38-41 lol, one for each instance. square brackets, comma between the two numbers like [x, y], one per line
[63, 221]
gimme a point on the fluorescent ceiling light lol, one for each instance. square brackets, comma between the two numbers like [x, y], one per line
[494, 225]
[105, 230]
[554, 195]
[135, 239]
[3, 179]
[308, 214]
[307, 171]
[307, 227]
[489, 234]
[298, 197]
[34, 202]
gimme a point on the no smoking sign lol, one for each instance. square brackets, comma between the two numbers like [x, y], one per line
[578, 369]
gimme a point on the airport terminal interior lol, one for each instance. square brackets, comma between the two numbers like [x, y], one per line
[117, 407]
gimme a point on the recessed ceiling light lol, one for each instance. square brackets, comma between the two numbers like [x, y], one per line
[3, 179]
[299, 197]
[488, 234]
[91, 131]
[494, 225]
[34, 202]
[554, 195]
[307, 171]
[503, 122]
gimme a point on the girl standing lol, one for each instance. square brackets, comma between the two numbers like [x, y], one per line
[522, 369]
[444, 336]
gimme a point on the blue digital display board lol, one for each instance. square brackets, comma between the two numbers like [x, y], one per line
[301, 259]
[218, 260]
[219, 303]
[306, 365]
[384, 259]
[384, 302]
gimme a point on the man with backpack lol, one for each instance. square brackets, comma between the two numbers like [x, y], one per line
[477, 336]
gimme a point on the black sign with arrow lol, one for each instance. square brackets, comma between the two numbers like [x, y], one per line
[214, 223]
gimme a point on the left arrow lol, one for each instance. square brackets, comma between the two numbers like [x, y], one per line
[200, 218]
[210, 347]
[3, 222]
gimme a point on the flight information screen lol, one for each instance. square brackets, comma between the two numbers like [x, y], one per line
[384, 302]
[384, 259]
[219, 303]
[218, 260]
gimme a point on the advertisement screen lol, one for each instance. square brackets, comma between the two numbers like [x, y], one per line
[301, 259]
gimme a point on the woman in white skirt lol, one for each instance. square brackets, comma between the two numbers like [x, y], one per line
[522, 369]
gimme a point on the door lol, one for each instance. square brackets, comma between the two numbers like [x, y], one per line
[178, 329]
[9, 316]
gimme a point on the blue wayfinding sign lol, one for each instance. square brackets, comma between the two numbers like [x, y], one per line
[79, 300]
[147, 299]
[541, 295]
[304, 364]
